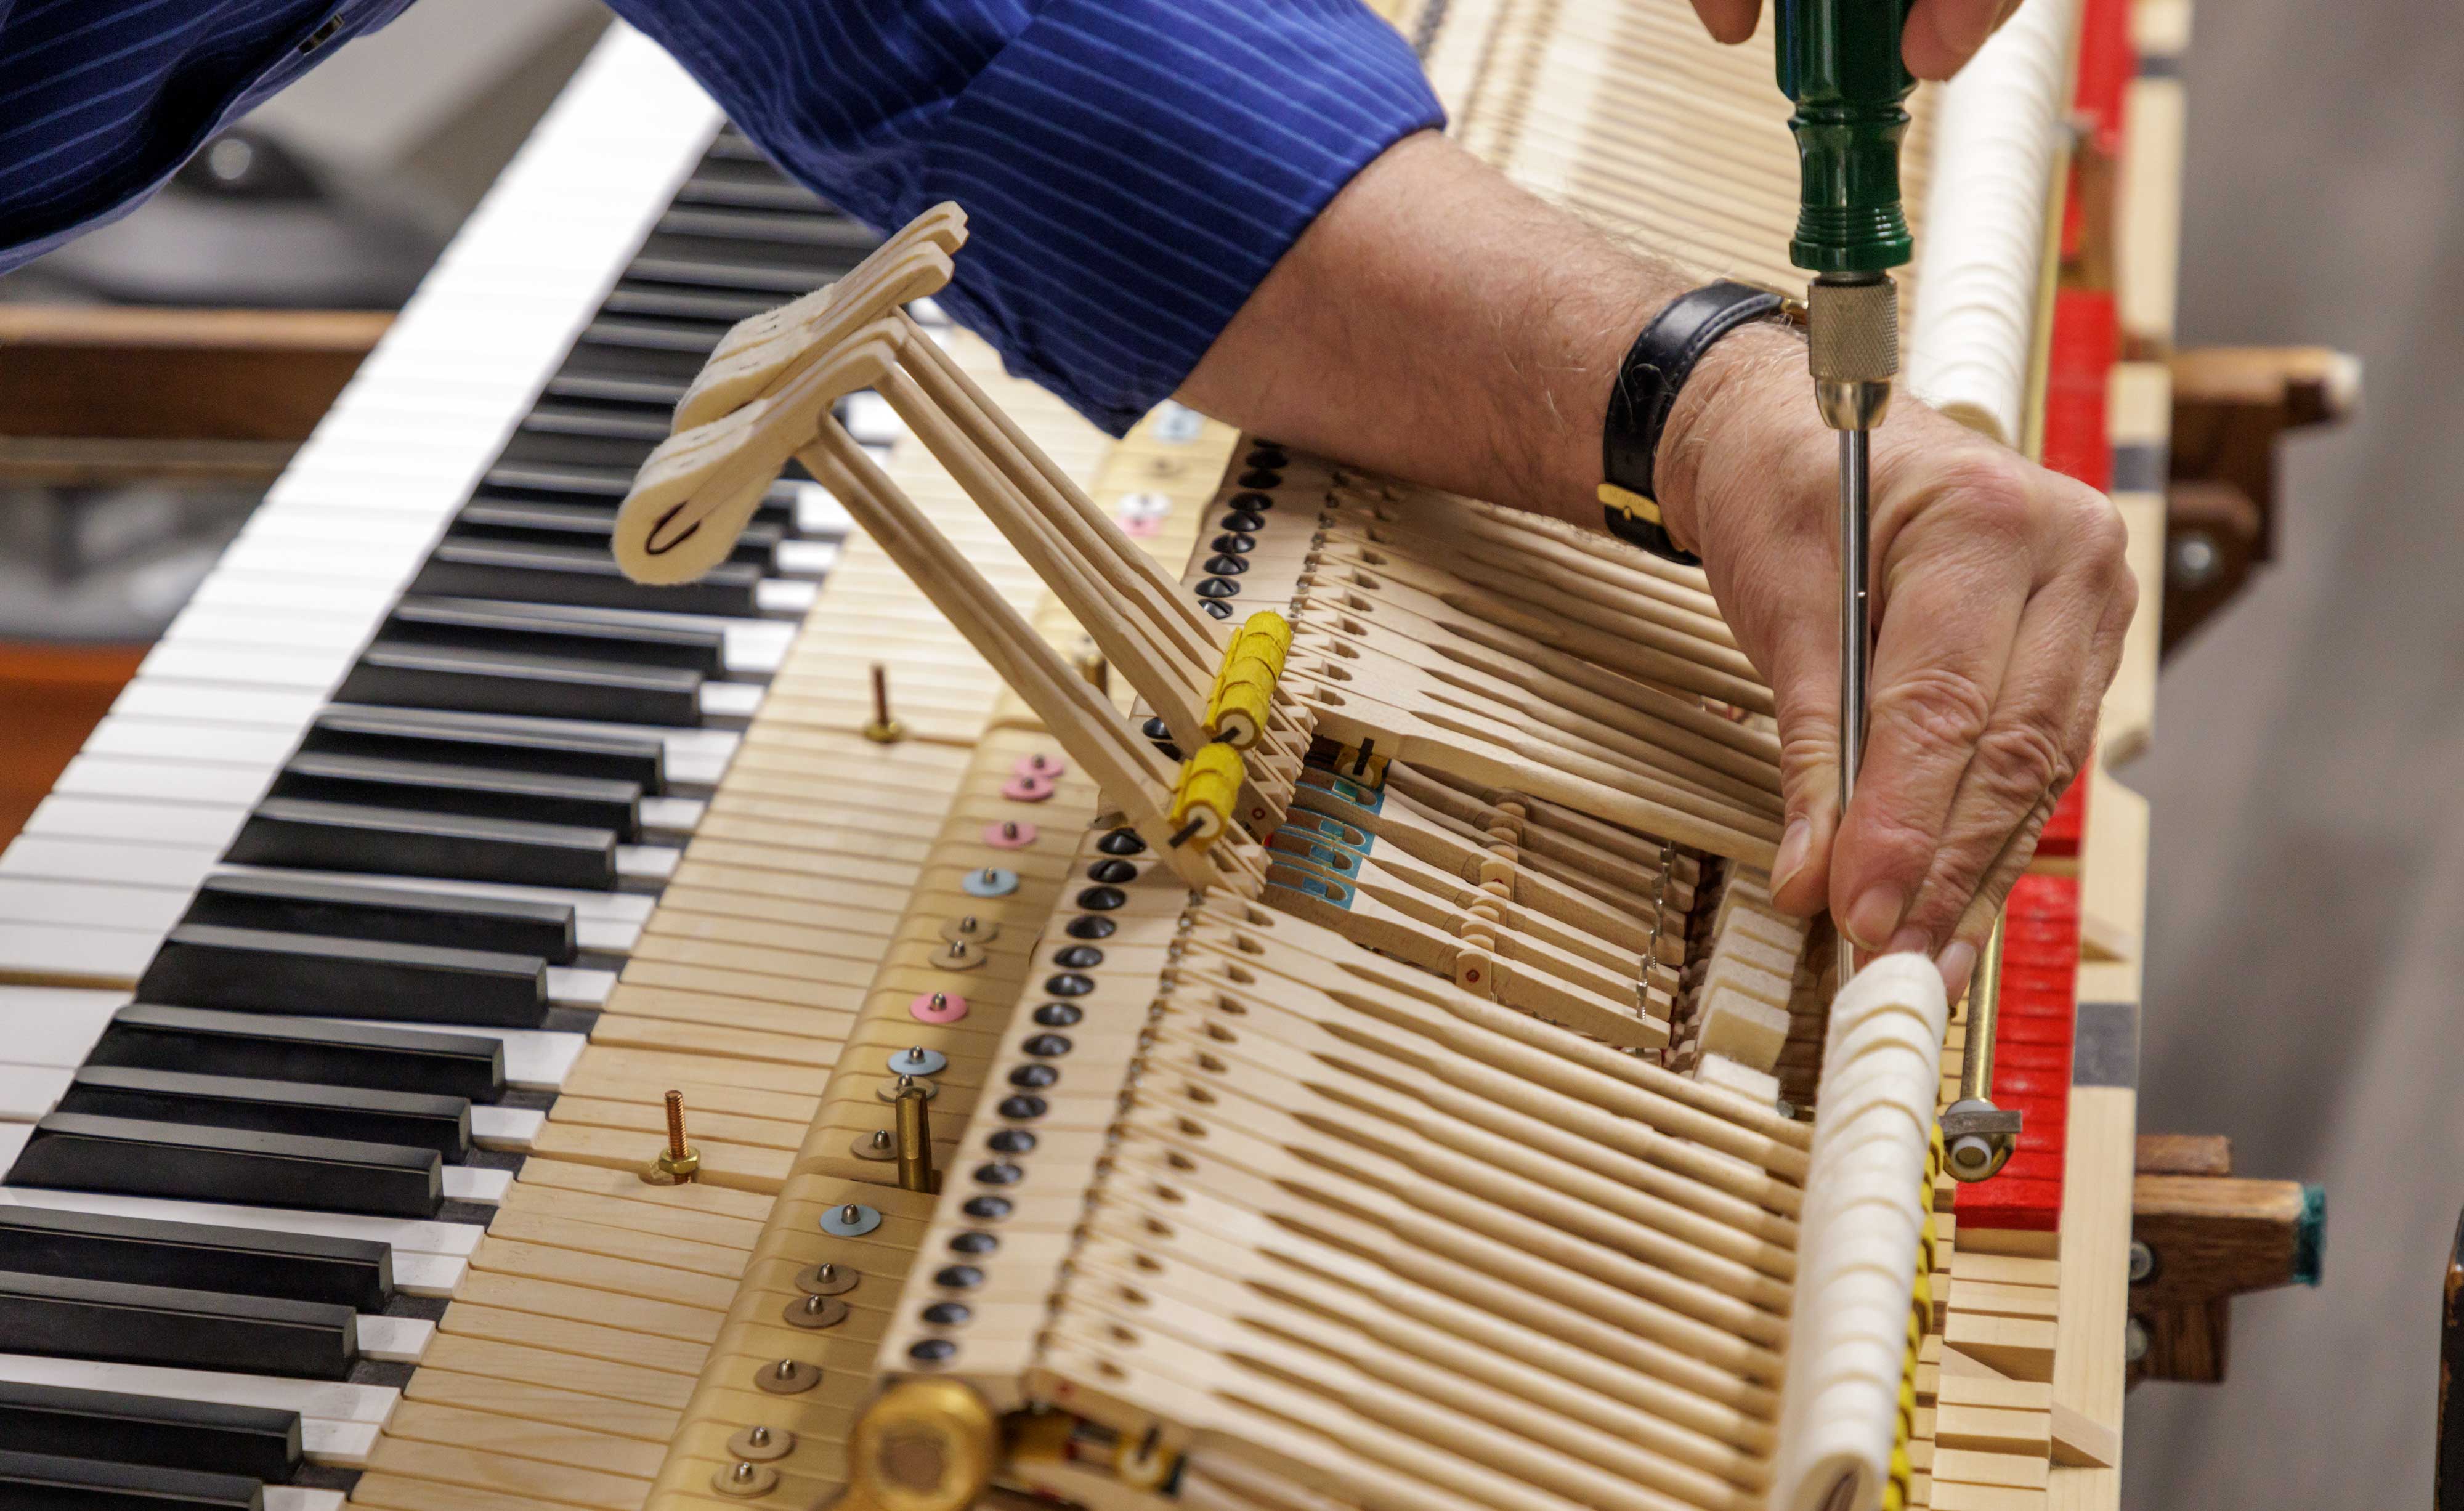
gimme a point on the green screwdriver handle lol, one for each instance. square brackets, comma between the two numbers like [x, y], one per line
[1839, 62]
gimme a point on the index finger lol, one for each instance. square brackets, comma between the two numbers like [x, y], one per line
[1948, 631]
[1942, 36]
[1730, 20]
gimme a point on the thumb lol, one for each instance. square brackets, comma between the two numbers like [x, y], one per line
[1730, 20]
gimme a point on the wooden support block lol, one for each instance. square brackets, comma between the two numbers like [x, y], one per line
[1991, 1429]
[2017, 1345]
[2019, 1471]
[1957, 1496]
[2183, 1154]
[2081, 1440]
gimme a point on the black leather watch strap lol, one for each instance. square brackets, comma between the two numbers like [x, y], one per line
[1654, 369]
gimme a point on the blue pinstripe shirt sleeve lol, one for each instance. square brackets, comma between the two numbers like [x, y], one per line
[1130, 169]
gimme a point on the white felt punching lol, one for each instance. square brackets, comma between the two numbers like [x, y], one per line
[1997, 132]
[1857, 1238]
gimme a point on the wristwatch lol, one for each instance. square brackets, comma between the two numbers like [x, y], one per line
[1648, 381]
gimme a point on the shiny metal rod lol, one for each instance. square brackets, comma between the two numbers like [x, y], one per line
[1856, 628]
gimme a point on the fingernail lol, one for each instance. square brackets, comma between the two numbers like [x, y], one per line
[1910, 940]
[1957, 962]
[1791, 859]
[1872, 917]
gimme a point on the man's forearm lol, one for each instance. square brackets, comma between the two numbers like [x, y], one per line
[1440, 323]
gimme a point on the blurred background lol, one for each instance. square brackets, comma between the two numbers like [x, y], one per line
[2306, 893]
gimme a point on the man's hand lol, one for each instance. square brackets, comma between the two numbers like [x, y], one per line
[2000, 597]
[1942, 34]
[1441, 324]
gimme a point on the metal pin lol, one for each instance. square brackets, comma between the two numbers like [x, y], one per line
[679, 1164]
[1188, 832]
[1009, 829]
[881, 1138]
[827, 1271]
[883, 729]
[846, 1214]
[758, 1437]
[966, 925]
[743, 1473]
[990, 876]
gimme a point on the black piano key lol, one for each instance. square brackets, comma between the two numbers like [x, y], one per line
[584, 383]
[442, 1124]
[403, 674]
[73, 1152]
[154, 1036]
[357, 1273]
[830, 241]
[68, 1318]
[580, 524]
[490, 739]
[450, 921]
[334, 835]
[573, 575]
[604, 487]
[476, 790]
[559, 630]
[56, 1482]
[678, 301]
[203, 1436]
[266, 971]
[560, 447]
[618, 422]
[747, 186]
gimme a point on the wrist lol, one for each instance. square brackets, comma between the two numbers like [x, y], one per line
[1749, 389]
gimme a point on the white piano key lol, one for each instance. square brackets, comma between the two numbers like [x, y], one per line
[53, 1026]
[697, 770]
[813, 559]
[101, 775]
[321, 1400]
[758, 646]
[318, 562]
[579, 986]
[315, 668]
[67, 815]
[731, 700]
[13, 1143]
[175, 868]
[869, 418]
[655, 862]
[428, 1274]
[606, 936]
[535, 1059]
[510, 1130]
[70, 953]
[297, 1498]
[396, 1340]
[472, 1183]
[819, 513]
[245, 590]
[210, 703]
[779, 596]
[677, 813]
[401, 532]
[191, 742]
[219, 625]
[28, 1092]
[130, 910]
[457, 1240]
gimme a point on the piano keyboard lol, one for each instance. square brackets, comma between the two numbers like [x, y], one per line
[308, 939]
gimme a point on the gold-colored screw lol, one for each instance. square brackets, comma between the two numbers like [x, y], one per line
[883, 729]
[679, 1164]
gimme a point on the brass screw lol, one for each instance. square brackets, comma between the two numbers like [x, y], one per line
[680, 1163]
[883, 729]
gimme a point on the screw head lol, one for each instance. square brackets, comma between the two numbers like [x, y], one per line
[2195, 559]
[2143, 1263]
[2134, 1339]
